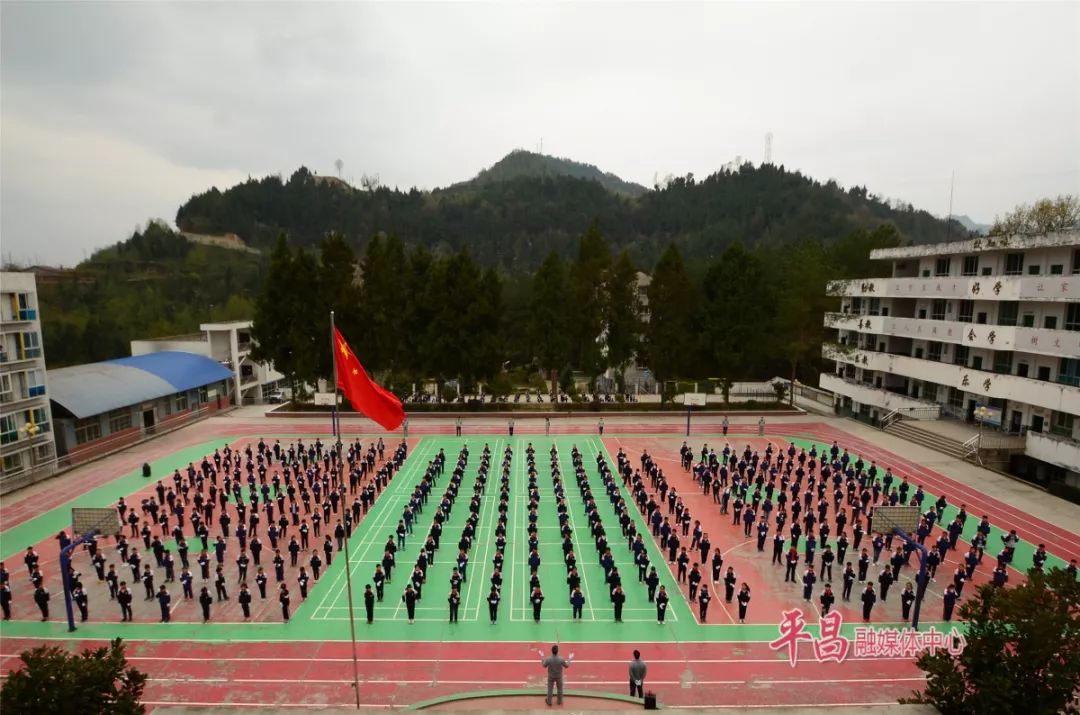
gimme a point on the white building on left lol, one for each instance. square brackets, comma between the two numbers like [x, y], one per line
[229, 343]
[27, 442]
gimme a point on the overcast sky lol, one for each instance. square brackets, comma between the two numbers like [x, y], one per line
[113, 113]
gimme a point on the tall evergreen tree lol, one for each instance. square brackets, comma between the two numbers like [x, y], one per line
[671, 334]
[622, 313]
[801, 302]
[589, 279]
[736, 314]
[549, 317]
[276, 311]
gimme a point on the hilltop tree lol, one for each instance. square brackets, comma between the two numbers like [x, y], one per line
[1022, 653]
[589, 284]
[798, 331]
[1044, 216]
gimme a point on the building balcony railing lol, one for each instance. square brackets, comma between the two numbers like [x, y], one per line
[1054, 396]
[1060, 450]
[1033, 288]
[868, 394]
[1040, 341]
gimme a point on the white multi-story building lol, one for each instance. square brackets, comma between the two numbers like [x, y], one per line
[230, 344]
[27, 443]
[986, 327]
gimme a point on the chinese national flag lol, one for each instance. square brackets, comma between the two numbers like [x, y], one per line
[374, 401]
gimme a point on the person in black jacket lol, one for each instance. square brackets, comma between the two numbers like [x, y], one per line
[493, 604]
[369, 603]
[205, 599]
[245, 600]
[744, 601]
[41, 598]
[409, 598]
[869, 598]
[618, 598]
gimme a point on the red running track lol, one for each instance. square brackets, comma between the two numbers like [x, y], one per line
[395, 674]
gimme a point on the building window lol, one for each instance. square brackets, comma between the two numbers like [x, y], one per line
[87, 430]
[1057, 269]
[976, 362]
[1034, 270]
[40, 417]
[181, 401]
[13, 463]
[26, 309]
[937, 310]
[941, 267]
[988, 270]
[1061, 424]
[1050, 322]
[6, 394]
[956, 398]
[967, 311]
[29, 346]
[9, 432]
[1072, 316]
[35, 383]
[1003, 362]
[204, 395]
[933, 351]
[929, 391]
[1044, 373]
[971, 265]
[1022, 369]
[960, 355]
[119, 420]
[1028, 320]
[875, 308]
[1014, 264]
[1076, 261]
[1008, 312]
[1069, 371]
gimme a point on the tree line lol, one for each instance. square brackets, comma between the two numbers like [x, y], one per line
[413, 315]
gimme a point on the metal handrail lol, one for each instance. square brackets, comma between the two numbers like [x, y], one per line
[890, 418]
[971, 447]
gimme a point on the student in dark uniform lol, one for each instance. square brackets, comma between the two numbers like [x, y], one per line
[885, 578]
[652, 581]
[791, 563]
[907, 597]
[124, 598]
[717, 565]
[618, 598]
[849, 581]
[379, 579]
[536, 598]
[808, 580]
[661, 605]
[5, 600]
[41, 598]
[219, 585]
[78, 595]
[260, 581]
[949, 599]
[493, 604]
[577, 603]
[164, 599]
[827, 599]
[245, 599]
[744, 601]
[369, 603]
[283, 599]
[205, 599]
[454, 600]
[186, 580]
[409, 599]
[729, 584]
[703, 603]
[869, 598]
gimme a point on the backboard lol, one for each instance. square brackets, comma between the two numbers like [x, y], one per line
[105, 521]
[889, 518]
[694, 398]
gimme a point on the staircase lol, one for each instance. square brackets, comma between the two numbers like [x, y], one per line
[909, 430]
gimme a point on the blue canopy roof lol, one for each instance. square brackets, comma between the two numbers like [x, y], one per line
[86, 390]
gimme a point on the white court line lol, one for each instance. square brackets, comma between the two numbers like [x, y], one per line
[487, 545]
[574, 527]
[529, 661]
[569, 684]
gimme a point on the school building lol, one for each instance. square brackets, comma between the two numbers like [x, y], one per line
[102, 406]
[984, 331]
[26, 430]
[230, 344]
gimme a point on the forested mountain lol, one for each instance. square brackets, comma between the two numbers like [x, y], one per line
[520, 164]
[512, 224]
[156, 283]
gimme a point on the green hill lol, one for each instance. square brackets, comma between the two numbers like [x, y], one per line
[521, 163]
[510, 217]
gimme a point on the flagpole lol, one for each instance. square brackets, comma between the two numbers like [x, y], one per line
[336, 426]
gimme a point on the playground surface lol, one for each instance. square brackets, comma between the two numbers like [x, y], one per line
[308, 661]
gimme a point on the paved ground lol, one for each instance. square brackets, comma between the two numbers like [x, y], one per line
[212, 664]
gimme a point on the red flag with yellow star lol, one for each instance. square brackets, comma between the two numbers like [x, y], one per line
[375, 401]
